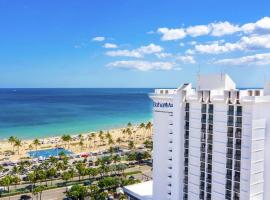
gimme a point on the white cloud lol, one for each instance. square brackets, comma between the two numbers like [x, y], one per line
[216, 29]
[246, 43]
[257, 59]
[216, 48]
[110, 46]
[255, 42]
[190, 51]
[199, 30]
[98, 39]
[223, 28]
[187, 59]
[163, 55]
[142, 65]
[171, 34]
[151, 32]
[137, 53]
[124, 53]
[182, 44]
[262, 25]
[192, 43]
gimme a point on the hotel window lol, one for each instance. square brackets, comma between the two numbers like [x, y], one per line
[210, 109]
[237, 176]
[238, 143]
[237, 165]
[230, 142]
[236, 187]
[230, 132]
[210, 119]
[228, 194]
[204, 106]
[238, 122]
[229, 166]
[238, 133]
[203, 120]
[230, 120]
[229, 174]
[229, 153]
[239, 111]
[231, 110]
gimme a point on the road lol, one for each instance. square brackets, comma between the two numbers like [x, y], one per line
[54, 194]
[59, 193]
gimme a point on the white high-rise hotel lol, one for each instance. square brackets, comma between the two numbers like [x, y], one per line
[211, 142]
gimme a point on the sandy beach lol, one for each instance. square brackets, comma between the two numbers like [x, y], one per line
[87, 142]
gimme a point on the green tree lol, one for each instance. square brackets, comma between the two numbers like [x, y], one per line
[16, 180]
[77, 192]
[129, 124]
[36, 143]
[66, 176]
[131, 145]
[12, 140]
[81, 144]
[32, 179]
[6, 181]
[38, 191]
[80, 166]
[18, 144]
[51, 173]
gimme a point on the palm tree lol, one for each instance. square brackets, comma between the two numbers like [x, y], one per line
[93, 136]
[16, 180]
[66, 176]
[148, 127]
[129, 124]
[6, 181]
[32, 178]
[80, 166]
[142, 127]
[129, 132]
[90, 138]
[131, 145]
[110, 142]
[81, 145]
[119, 141]
[38, 190]
[36, 142]
[30, 147]
[18, 144]
[51, 173]
[66, 139]
[12, 140]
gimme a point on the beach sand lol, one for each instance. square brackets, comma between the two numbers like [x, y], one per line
[138, 136]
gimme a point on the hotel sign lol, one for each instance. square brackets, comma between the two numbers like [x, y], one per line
[162, 105]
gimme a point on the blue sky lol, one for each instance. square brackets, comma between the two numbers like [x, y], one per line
[132, 43]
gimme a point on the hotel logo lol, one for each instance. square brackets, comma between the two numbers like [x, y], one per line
[162, 105]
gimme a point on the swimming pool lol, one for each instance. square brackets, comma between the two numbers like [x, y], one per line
[46, 153]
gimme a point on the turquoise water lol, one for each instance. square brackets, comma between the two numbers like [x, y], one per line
[37, 113]
[46, 153]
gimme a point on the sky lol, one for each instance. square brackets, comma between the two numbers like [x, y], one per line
[132, 43]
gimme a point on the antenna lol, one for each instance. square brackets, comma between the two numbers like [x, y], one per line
[199, 74]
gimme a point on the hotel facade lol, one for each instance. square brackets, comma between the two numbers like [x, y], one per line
[211, 142]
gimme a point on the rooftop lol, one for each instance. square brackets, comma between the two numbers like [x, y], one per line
[142, 191]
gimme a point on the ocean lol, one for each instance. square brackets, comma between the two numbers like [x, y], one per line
[37, 113]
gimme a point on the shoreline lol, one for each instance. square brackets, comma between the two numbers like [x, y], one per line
[138, 135]
[73, 133]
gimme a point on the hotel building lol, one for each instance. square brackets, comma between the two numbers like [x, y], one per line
[211, 142]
